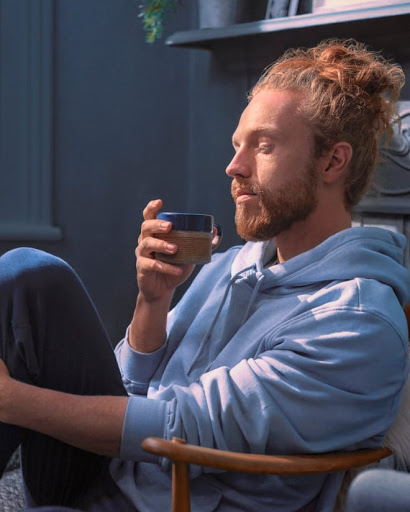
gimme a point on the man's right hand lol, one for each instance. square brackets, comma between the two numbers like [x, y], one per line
[156, 279]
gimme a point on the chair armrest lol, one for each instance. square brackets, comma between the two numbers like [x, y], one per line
[262, 464]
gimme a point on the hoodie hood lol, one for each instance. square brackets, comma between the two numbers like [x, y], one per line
[361, 252]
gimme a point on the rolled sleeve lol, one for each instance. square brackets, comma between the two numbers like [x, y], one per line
[137, 368]
[143, 418]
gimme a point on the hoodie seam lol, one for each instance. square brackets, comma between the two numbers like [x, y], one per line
[324, 308]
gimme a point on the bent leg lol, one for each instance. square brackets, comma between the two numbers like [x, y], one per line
[379, 490]
[52, 336]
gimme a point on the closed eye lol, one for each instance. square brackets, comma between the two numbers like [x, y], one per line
[265, 148]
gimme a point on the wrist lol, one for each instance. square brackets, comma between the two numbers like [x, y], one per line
[147, 331]
[146, 299]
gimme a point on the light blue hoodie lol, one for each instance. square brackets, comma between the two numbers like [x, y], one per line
[305, 356]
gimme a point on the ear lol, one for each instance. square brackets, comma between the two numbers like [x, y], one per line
[336, 162]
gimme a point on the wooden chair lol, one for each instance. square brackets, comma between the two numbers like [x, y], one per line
[183, 454]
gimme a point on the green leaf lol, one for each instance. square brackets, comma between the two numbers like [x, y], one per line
[153, 14]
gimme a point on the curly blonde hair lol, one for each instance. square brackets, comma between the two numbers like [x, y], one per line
[350, 95]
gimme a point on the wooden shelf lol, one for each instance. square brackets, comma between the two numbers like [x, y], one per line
[384, 26]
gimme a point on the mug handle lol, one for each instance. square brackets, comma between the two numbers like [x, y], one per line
[218, 235]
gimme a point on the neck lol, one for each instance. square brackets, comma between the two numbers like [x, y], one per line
[304, 235]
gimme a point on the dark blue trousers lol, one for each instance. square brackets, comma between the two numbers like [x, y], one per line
[52, 336]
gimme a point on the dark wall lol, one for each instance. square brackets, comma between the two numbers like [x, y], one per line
[134, 122]
[121, 131]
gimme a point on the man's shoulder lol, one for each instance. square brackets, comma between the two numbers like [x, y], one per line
[364, 295]
[357, 303]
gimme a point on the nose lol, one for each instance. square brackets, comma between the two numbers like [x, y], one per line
[239, 165]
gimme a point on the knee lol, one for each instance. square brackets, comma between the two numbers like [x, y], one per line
[377, 490]
[360, 491]
[31, 266]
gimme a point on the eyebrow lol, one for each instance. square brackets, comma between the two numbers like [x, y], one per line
[260, 131]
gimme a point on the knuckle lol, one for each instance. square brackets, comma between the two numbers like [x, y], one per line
[144, 228]
[142, 245]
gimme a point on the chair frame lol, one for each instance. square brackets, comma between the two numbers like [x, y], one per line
[181, 454]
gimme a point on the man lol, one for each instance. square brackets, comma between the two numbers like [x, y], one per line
[293, 343]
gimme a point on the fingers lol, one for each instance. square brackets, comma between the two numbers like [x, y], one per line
[152, 209]
[146, 262]
[155, 227]
[146, 266]
[151, 224]
[149, 245]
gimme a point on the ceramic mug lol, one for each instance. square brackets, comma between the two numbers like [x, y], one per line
[193, 234]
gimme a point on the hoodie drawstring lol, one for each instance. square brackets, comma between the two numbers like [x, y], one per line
[258, 284]
[218, 313]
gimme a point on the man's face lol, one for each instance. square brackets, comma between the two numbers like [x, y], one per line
[274, 179]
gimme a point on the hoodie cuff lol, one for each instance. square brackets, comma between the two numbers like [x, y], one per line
[143, 418]
[137, 368]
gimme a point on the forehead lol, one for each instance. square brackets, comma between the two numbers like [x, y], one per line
[273, 109]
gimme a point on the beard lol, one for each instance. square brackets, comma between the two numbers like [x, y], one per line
[277, 209]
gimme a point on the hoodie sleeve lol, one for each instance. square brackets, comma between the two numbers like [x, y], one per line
[328, 379]
[137, 368]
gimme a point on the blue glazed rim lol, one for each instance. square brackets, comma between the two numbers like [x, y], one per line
[188, 221]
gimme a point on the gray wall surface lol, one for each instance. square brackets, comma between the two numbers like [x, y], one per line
[133, 122]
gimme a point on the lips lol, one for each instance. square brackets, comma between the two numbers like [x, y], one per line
[242, 194]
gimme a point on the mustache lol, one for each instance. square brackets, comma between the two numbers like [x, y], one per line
[248, 187]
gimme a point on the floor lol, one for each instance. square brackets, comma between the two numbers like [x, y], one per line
[11, 493]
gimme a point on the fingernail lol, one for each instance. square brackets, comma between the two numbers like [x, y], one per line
[163, 225]
[171, 247]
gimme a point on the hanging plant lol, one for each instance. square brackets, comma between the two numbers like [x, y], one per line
[152, 13]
